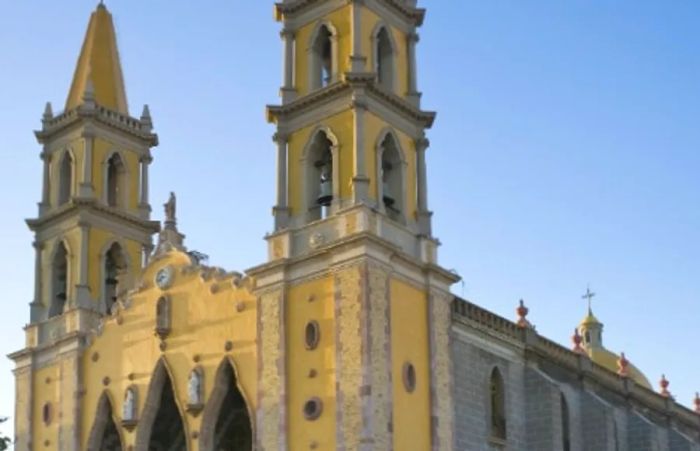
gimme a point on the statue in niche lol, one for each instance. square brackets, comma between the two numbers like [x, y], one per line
[129, 407]
[194, 388]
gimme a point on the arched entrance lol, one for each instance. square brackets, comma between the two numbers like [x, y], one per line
[104, 435]
[161, 427]
[226, 422]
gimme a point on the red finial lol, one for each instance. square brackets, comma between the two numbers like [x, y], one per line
[697, 402]
[522, 312]
[577, 339]
[622, 364]
[663, 383]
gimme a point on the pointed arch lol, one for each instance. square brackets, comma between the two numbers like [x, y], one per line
[115, 265]
[565, 423]
[227, 421]
[497, 405]
[66, 177]
[115, 176]
[384, 52]
[323, 55]
[392, 169]
[105, 435]
[161, 411]
[320, 168]
[60, 277]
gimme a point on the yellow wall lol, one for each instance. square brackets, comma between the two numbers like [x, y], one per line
[202, 323]
[409, 343]
[46, 390]
[300, 361]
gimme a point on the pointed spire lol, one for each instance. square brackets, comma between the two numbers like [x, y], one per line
[48, 112]
[146, 121]
[99, 64]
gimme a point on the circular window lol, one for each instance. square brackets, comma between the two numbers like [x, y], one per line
[312, 335]
[409, 377]
[46, 414]
[312, 409]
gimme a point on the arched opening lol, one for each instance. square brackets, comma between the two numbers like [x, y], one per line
[59, 282]
[226, 424]
[163, 316]
[65, 178]
[565, 424]
[391, 177]
[497, 405]
[116, 181]
[384, 59]
[168, 431]
[320, 176]
[322, 49]
[114, 274]
[104, 435]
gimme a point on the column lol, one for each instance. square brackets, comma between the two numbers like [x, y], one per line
[360, 181]
[357, 61]
[85, 187]
[413, 94]
[45, 192]
[288, 91]
[37, 309]
[421, 173]
[281, 210]
[82, 292]
[144, 206]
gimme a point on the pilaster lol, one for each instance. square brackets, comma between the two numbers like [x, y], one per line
[413, 94]
[281, 210]
[82, 288]
[86, 189]
[360, 180]
[358, 61]
[288, 91]
[441, 400]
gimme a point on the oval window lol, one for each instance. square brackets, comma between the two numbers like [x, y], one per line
[312, 335]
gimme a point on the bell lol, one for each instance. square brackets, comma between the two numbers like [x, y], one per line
[386, 195]
[325, 195]
[111, 281]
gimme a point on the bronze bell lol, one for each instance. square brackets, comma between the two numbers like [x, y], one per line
[389, 200]
[325, 195]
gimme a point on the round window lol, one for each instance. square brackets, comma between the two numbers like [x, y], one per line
[312, 409]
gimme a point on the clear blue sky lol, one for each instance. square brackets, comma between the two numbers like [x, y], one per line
[566, 151]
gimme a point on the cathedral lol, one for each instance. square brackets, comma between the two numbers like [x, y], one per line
[347, 337]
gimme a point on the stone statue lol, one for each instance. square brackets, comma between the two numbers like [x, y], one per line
[170, 208]
[194, 388]
[129, 407]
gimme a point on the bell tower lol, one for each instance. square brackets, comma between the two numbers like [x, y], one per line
[353, 300]
[93, 230]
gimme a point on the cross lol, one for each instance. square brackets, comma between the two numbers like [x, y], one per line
[589, 295]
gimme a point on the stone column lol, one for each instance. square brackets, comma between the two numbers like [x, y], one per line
[82, 292]
[144, 206]
[413, 94]
[360, 181]
[424, 214]
[288, 91]
[281, 209]
[37, 309]
[46, 188]
[357, 61]
[85, 188]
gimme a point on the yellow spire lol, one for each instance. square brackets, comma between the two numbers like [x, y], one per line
[99, 65]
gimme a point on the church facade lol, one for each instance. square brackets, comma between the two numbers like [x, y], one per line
[347, 337]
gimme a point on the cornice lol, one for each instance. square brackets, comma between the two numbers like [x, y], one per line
[122, 122]
[77, 205]
[291, 9]
[352, 86]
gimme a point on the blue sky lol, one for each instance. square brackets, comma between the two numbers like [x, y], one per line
[565, 152]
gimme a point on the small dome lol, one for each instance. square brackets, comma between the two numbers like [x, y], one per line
[608, 360]
[590, 319]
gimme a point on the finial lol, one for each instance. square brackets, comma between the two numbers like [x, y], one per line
[522, 312]
[577, 339]
[622, 365]
[48, 112]
[664, 383]
[696, 401]
[589, 295]
[146, 121]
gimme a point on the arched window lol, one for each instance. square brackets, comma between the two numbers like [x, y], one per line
[65, 178]
[116, 181]
[163, 316]
[59, 282]
[114, 273]
[323, 54]
[320, 179]
[565, 424]
[497, 405]
[391, 177]
[384, 59]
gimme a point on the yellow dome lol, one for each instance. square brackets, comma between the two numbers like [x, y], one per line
[590, 319]
[608, 360]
